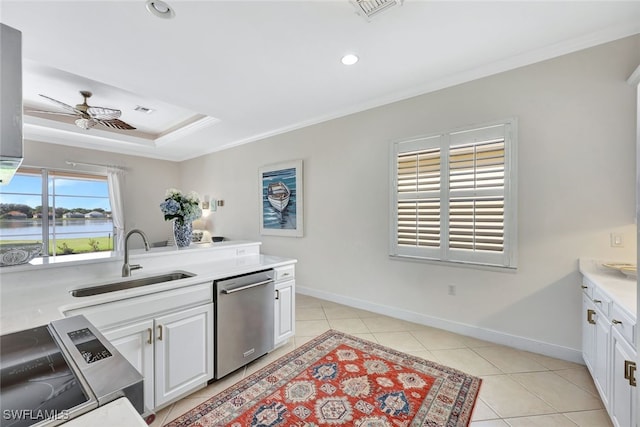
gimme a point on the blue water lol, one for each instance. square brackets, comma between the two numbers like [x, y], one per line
[271, 218]
[32, 228]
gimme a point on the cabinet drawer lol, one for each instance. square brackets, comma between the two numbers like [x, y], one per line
[602, 302]
[587, 287]
[623, 324]
[284, 273]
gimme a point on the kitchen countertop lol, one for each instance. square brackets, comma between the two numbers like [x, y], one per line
[616, 285]
[35, 297]
[97, 258]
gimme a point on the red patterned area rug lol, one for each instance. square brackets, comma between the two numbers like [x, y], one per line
[340, 380]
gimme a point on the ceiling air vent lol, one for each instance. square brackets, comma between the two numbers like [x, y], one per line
[142, 109]
[370, 8]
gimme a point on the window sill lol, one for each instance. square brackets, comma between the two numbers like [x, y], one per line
[486, 267]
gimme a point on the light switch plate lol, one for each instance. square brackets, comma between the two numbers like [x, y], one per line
[616, 240]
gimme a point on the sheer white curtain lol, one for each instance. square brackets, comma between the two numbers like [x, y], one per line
[115, 178]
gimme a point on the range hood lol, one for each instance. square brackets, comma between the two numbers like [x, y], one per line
[10, 102]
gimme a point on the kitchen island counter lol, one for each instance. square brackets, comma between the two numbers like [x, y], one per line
[35, 296]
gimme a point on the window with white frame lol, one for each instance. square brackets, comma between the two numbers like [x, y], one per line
[68, 212]
[454, 196]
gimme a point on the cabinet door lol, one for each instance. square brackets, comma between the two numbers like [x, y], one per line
[284, 311]
[601, 362]
[135, 342]
[183, 352]
[623, 394]
[588, 332]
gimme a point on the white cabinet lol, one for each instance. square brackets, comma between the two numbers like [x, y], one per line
[173, 352]
[285, 303]
[135, 342]
[623, 393]
[601, 366]
[167, 336]
[595, 341]
[183, 352]
[588, 332]
[608, 337]
[284, 326]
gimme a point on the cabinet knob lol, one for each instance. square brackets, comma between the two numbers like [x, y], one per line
[584, 287]
[616, 322]
[159, 332]
[597, 301]
[590, 314]
[150, 332]
[277, 293]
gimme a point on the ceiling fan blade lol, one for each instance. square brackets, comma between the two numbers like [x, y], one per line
[115, 124]
[67, 107]
[51, 112]
[103, 113]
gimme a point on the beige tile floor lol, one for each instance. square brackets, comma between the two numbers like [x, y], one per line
[519, 388]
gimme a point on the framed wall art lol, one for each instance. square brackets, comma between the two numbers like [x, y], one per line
[281, 207]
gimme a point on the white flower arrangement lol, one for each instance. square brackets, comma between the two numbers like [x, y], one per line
[184, 208]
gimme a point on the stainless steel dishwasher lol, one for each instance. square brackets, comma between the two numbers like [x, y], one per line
[243, 320]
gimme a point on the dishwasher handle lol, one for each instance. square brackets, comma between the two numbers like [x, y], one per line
[244, 288]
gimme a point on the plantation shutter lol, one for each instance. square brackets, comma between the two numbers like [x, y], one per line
[418, 165]
[453, 198]
[477, 195]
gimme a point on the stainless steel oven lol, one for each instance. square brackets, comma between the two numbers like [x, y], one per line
[243, 320]
[52, 373]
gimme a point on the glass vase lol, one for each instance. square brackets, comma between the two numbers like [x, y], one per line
[182, 233]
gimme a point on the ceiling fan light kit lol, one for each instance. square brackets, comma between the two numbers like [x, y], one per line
[85, 123]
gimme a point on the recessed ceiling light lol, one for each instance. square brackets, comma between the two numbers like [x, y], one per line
[160, 9]
[350, 59]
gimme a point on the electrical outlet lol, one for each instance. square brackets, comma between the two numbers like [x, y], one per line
[616, 240]
[452, 290]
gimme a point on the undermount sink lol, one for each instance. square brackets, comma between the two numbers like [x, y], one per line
[131, 283]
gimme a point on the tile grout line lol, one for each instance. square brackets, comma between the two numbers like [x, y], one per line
[576, 384]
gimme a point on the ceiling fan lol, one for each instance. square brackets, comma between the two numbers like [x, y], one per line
[88, 116]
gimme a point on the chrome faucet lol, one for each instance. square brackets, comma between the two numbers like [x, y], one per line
[126, 268]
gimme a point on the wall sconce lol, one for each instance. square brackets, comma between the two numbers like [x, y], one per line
[209, 204]
[205, 203]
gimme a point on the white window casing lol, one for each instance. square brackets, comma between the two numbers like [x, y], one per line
[453, 196]
[49, 194]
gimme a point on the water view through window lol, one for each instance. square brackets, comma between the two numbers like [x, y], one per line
[78, 212]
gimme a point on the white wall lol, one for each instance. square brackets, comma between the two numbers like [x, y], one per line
[576, 185]
[146, 181]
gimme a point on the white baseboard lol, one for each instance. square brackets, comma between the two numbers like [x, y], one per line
[497, 337]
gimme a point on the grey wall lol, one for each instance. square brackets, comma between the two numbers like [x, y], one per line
[576, 178]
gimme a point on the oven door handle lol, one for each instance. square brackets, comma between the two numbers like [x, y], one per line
[244, 288]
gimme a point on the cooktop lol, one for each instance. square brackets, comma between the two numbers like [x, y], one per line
[36, 382]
